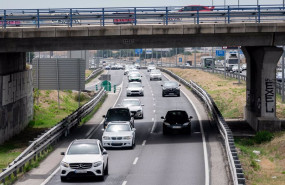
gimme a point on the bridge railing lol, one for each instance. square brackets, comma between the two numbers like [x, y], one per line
[48, 138]
[232, 157]
[94, 73]
[139, 16]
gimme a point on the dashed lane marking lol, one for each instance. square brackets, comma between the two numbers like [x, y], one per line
[144, 141]
[135, 161]
[124, 183]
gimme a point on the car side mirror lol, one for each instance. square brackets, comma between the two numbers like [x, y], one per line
[179, 84]
[104, 116]
[62, 153]
[133, 129]
[104, 152]
[142, 105]
[161, 85]
[162, 117]
[190, 117]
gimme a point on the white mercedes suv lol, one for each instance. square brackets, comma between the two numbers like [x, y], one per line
[84, 158]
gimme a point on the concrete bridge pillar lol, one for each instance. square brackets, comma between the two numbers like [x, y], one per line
[260, 109]
[16, 94]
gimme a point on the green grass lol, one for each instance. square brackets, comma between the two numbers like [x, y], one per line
[96, 108]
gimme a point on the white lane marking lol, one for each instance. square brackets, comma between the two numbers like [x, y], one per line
[51, 176]
[124, 183]
[135, 161]
[122, 84]
[144, 141]
[153, 111]
[154, 104]
[153, 126]
[152, 94]
[207, 181]
[152, 119]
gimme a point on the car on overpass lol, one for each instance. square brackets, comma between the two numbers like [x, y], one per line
[150, 67]
[176, 120]
[170, 88]
[195, 8]
[118, 114]
[135, 107]
[84, 158]
[119, 134]
[135, 88]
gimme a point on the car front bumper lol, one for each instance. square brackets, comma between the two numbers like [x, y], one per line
[91, 172]
[117, 143]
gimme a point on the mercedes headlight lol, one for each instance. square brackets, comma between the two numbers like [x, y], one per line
[97, 164]
[106, 138]
[166, 123]
[186, 124]
[127, 137]
[64, 164]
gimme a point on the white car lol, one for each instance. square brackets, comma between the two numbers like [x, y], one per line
[149, 68]
[134, 106]
[84, 157]
[135, 88]
[119, 134]
[235, 69]
[131, 71]
[155, 75]
[135, 77]
[243, 66]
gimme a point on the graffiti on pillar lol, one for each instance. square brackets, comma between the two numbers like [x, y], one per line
[259, 103]
[269, 95]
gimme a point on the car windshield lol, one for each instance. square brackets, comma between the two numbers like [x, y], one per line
[131, 103]
[233, 61]
[135, 85]
[82, 148]
[118, 127]
[178, 116]
[118, 115]
[155, 72]
[170, 84]
[135, 75]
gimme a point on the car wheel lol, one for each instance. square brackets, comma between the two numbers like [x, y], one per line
[106, 171]
[178, 95]
[142, 116]
[163, 95]
[187, 130]
[63, 179]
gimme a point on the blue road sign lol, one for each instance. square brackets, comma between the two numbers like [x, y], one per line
[138, 51]
[180, 59]
[220, 53]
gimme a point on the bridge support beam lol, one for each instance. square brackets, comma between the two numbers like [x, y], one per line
[260, 109]
[16, 94]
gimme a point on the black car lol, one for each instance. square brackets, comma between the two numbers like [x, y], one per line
[176, 120]
[118, 114]
[170, 88]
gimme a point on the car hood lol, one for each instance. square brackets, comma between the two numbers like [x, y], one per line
[89, 158]
[134, 88]
[135, 108]
[118, 134]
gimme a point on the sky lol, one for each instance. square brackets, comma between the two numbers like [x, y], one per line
[39, 4]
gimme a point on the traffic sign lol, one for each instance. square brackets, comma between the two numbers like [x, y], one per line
[138, 51]
[148, 51]
[220, 53]
[180, 59]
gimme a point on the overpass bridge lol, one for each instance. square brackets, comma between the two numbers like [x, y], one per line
[258, 40]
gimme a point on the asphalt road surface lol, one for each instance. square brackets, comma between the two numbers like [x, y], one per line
[175, 159]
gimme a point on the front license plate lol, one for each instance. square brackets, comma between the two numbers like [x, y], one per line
[176, 127]
[80, 171]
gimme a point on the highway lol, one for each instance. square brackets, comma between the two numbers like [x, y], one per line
[157, 159]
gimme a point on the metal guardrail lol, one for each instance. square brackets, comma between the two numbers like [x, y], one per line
[234, 162]
[51, 136]
[71, 17]
[94, 73]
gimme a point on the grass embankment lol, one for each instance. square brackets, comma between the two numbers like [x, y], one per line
[89, 80]
[266, 168]
[46, 114]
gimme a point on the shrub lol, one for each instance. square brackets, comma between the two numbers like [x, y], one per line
[263, 136]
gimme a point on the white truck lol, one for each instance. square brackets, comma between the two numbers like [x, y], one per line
[231, 61]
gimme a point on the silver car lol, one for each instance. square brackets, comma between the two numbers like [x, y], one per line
[119, 134]
[135, 88]
[134, 106]
[155, 75]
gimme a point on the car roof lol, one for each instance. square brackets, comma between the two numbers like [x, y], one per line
[118, 108]
[85, 141]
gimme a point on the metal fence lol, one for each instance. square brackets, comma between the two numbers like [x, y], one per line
[233, 160]
[41, 143]
[94, 73]
[140, 16]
